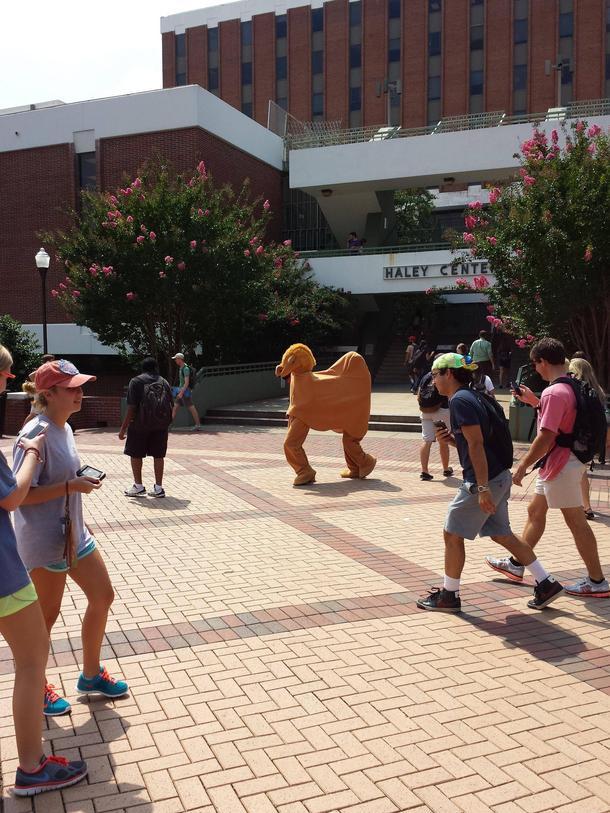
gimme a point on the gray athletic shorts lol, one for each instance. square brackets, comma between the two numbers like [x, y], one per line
[466, 519]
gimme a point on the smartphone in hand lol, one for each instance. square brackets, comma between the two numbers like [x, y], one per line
[92, 473]
[515, 388]
[36, 430]
[440, 425]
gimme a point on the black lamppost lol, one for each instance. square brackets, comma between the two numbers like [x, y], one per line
[42, 264]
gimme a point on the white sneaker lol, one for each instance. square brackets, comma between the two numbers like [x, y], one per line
[506, 568]
[157, 491]
[588, 589]
[135, 491]
[196, 428]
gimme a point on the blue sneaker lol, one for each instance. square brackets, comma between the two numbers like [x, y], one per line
[102, 683]
[53, 773]
[54, 704]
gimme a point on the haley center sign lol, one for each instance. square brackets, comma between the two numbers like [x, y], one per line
[401, 272]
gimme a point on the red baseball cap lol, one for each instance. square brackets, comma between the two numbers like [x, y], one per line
[59, 373]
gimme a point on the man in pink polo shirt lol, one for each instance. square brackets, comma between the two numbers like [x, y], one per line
[559, 478]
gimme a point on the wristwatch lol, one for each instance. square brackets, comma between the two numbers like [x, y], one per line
[478, 489]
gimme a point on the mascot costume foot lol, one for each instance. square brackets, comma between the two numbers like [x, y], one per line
[337, 399]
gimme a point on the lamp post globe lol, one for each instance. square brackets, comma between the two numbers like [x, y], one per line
[42, 264]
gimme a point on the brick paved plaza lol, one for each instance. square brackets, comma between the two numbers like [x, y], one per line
[277, 661]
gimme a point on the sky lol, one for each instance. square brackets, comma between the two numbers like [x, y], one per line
[82, 49]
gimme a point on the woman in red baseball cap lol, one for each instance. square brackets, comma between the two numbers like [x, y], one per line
[43, 523]
[23, 628]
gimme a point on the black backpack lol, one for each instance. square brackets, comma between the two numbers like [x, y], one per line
[155, 408]
[588, 438]
[428, 397]
[499, 438]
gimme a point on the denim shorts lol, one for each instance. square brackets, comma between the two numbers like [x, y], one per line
[465, 517]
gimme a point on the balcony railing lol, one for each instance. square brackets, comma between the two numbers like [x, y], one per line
[345, 252]
[451, 124]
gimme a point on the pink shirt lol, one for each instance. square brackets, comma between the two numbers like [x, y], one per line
[557, 414]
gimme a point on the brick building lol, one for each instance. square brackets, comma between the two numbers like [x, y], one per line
[362, 62]
[49, 153]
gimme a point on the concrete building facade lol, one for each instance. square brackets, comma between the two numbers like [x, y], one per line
[403, 62]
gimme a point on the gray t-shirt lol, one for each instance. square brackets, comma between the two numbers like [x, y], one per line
[38, 528]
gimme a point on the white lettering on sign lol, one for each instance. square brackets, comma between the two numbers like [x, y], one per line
[392, 272]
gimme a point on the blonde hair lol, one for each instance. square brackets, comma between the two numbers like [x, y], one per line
[5, 358]
[583, 370]
[37, 398]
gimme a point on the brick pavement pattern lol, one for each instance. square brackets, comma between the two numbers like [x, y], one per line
[277, 661]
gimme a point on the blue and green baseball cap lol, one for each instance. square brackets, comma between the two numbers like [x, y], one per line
[454, 361]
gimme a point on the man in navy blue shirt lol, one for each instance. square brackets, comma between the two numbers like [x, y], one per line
[481, 505]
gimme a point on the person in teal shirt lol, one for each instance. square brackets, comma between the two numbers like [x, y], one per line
[482, 355]
[182, 393]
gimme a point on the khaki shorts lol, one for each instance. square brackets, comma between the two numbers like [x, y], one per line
[428, 432]
[564, 490]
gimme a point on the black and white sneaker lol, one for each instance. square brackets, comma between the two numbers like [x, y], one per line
[157, 491]
[441, 601]
[545, 593]
[135, 491]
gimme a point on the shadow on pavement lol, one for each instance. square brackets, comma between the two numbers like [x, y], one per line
[349, 487]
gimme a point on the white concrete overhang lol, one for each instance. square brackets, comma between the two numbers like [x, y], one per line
[135, 113]
[405, 272]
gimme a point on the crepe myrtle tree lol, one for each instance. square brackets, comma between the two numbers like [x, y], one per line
[547, 240]
[172, 262]
[24, 349]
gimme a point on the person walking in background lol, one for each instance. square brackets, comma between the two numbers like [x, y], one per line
[502, 353]
[581, 369]
[462, 349]
[182, 393]
[482, 383]
[52, 537]
[560, 476]
[433, 407]
[480, 507]
[482, 354]
[408, 362]
[146, 425]
[22, 627]
[421, 363]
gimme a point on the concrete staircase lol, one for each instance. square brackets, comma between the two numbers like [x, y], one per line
[254, 417]
[392, 369]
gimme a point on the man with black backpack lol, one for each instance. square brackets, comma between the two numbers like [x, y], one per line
[480, 433]
[571, 429]
[146, 424]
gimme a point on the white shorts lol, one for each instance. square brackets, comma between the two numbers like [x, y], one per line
[564, 490]
[428, 432]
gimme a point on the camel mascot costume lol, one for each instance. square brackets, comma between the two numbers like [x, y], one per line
[337, 399]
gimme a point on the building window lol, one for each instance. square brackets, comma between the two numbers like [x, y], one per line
[87, 170]
[393, 76]
[317, 19]
[519, 77]
[519, 31]
[181, 59]
[355, 63]
[566, 49]
[213, 76]
[281, 27]
[246, 33]
[520, 55]
[281, 67]
[434, 43]
[246, 109]
[435, 38]
[246, 73]
[281, 61]
[394, 9]
[477, 64]
[434, 88]
[317, 104]
[317, 61]
[394, 51]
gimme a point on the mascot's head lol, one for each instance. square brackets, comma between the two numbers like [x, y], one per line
[297, 359]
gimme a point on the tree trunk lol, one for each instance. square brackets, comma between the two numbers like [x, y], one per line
[590, 332]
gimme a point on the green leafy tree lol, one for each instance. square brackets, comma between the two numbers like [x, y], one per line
[24, 349]
[413, 209]
[171, 263]
[547, 240]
